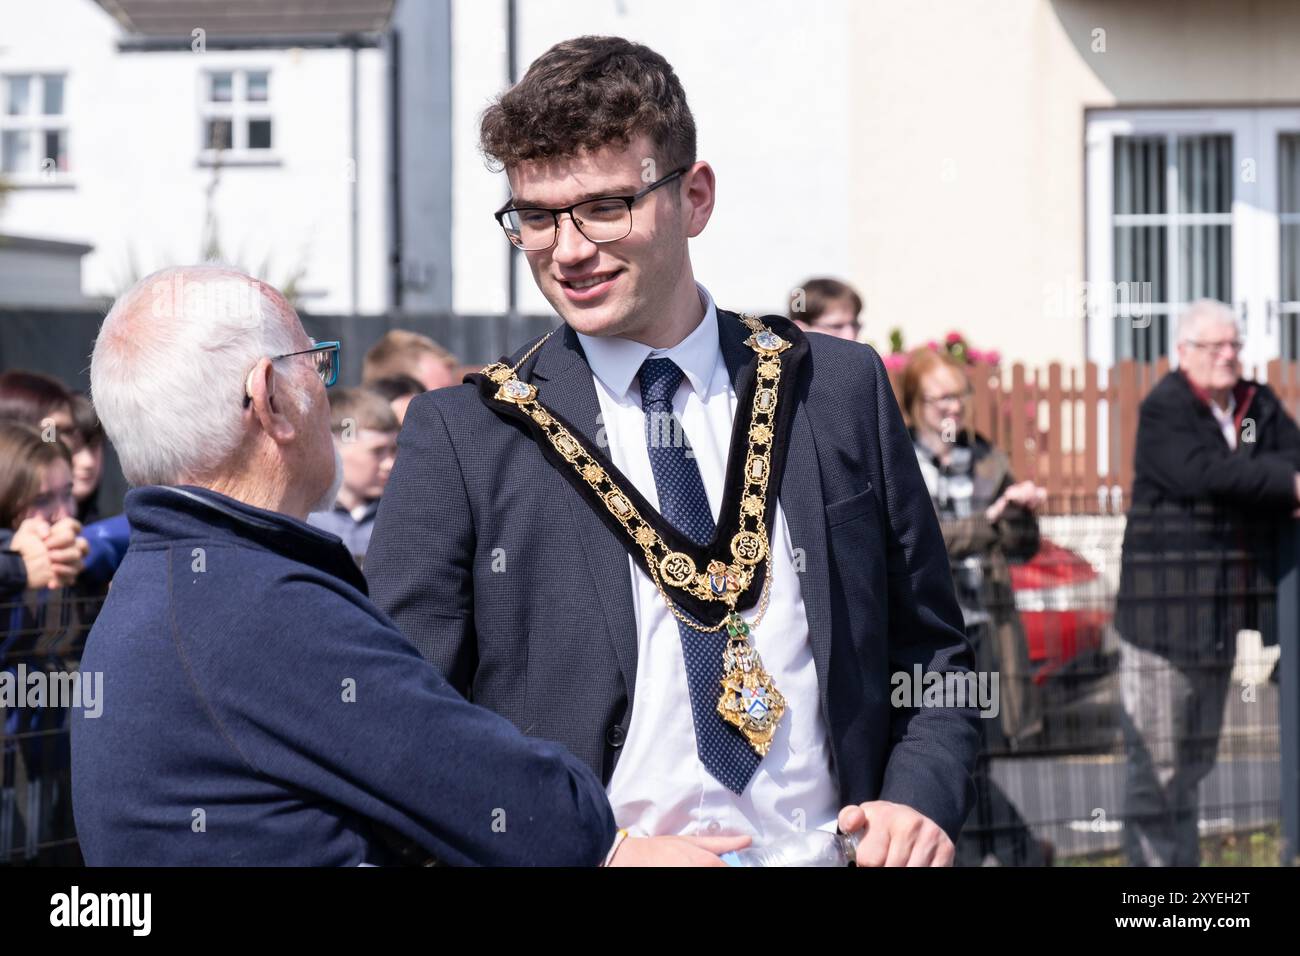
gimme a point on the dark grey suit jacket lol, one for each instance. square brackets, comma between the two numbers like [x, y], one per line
[497, 570]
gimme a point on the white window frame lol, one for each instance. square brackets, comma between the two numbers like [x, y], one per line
[1270, 124]
[1255, 216]
[239, 111]
[36, 123]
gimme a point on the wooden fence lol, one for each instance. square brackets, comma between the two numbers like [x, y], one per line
[1073, 435]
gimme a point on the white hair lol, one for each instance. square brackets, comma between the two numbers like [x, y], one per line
[168, 371]
[1205, 310]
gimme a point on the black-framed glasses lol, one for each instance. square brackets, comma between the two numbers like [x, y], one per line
[325, 360]
[604, 219]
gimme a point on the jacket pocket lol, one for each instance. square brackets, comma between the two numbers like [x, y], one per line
[857, 557]
[855, 506]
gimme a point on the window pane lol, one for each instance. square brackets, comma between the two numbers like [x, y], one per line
[55, 155]
[52, 95]
[1139, 175]
[18, 94]
[15, 151]
[1141, 282]
[1290, 262]
[258, 86]
[1205, 185]
[259, 134]
[217, 134]
[1141, 267]
[220, 87]
[1140, 257]
[1205, 263]
[1145, 340]
[1288, 154]
[1205, 174]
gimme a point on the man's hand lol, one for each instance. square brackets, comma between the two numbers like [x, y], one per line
[676, 850]
[67, 551]
[896, 835]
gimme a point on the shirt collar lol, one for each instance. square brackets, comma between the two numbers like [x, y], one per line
[1239, 399]
[616, 361]
[1225, 413]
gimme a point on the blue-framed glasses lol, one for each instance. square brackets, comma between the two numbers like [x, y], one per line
[325, 359]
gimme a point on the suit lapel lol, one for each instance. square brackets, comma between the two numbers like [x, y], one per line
[570, 392]
[800, 496]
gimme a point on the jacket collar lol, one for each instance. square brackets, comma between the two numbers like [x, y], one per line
[163, 514]
[1243, 393]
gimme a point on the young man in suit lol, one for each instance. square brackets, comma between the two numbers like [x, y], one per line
[663, 500]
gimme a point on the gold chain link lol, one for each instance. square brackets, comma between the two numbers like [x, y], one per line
[750, 700]
[712, 628]
[749, 546]
[527, 355]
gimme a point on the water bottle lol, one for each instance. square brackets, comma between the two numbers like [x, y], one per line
[814, 848]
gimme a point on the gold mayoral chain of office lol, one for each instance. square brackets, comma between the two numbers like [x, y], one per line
[749, 699]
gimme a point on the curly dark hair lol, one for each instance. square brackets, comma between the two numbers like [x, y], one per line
[586, 93]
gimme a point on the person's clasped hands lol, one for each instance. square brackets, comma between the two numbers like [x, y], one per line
[52, 553]
[1026, 494]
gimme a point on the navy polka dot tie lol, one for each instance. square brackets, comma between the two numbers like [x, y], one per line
[723, 750]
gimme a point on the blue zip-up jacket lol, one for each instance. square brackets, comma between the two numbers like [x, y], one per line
[258, 709]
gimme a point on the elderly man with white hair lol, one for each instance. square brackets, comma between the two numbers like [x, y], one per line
[258, 709]
[1216, 471]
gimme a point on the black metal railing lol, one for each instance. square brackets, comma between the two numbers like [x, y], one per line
[1058, 755]
[1161, 735]
[42, 634]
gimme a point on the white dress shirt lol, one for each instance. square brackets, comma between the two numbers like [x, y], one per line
[1224, 417]
[659, 786]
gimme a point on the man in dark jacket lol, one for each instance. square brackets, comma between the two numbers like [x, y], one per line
[1215, 474]
[262, 710]
[591, 582]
